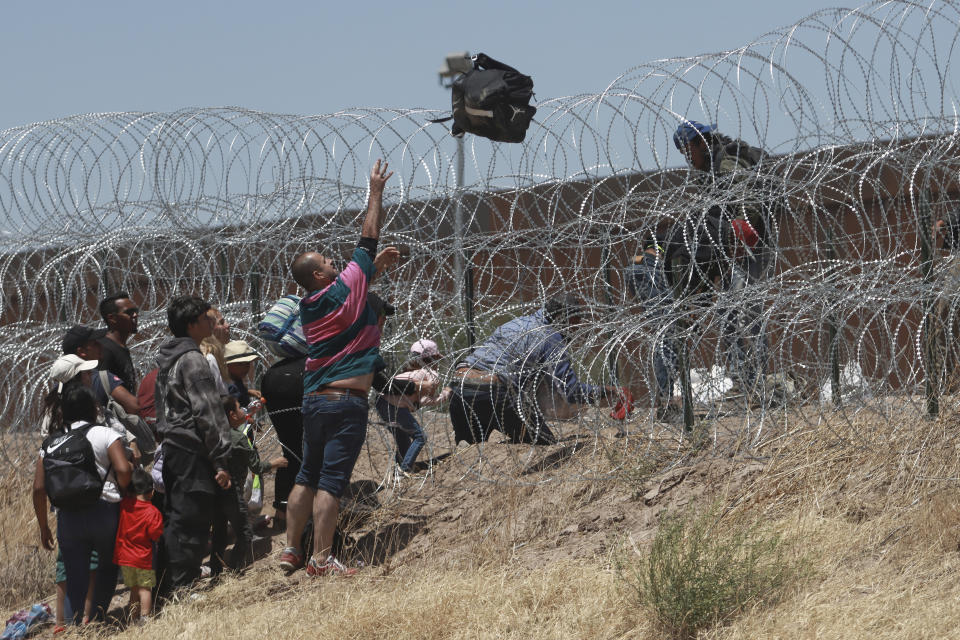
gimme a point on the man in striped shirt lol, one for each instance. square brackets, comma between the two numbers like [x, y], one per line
[343, 354]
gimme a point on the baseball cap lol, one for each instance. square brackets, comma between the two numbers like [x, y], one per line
[424, 349]
[79, 335]
[66, 367]
[238, 351]
[690, 130]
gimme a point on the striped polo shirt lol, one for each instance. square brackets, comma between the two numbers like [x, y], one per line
[343, 339]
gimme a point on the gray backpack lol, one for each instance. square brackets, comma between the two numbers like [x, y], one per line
[133, 425]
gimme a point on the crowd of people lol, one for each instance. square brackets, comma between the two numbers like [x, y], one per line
[189, 420]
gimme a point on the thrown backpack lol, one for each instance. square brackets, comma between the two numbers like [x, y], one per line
[492, 100]
[70, 473]
[281, 330]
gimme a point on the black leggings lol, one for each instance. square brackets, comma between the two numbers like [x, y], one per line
[288, 423]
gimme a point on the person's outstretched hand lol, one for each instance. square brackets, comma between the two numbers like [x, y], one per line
[379, 176]
[386, 259]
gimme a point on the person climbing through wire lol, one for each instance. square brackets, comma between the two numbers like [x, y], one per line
[725, 245]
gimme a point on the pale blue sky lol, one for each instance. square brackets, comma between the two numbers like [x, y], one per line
[65, 58]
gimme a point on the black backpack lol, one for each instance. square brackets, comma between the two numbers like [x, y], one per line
[492, 100]
[697, 252]
[70, 473]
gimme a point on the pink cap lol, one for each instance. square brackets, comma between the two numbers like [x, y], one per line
[424, 349]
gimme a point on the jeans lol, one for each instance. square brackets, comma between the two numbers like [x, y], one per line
[79, 533]
[743, 340]
[334, 429]
[648, 283]
[475, 411]
[406, 431]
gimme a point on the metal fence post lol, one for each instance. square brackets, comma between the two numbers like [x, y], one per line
[929, 325]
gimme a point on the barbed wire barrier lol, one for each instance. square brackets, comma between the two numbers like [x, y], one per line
[856, 310]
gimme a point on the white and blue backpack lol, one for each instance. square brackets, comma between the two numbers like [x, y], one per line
[281, 330]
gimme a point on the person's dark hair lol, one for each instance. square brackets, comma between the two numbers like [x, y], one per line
[77, 403]
[109, 304]
[559, 309]
[141, 482]
[52, 406]
[229, 404]
[183, 311]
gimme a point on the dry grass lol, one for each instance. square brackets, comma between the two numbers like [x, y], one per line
[26, 570]
[564, 600]
[865, 588]
[872, 503]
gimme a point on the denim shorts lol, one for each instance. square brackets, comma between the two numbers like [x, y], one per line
[334, 429]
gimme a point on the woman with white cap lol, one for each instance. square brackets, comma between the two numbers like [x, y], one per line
[71, 406]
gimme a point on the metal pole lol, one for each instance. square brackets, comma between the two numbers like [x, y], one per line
[463, 272]
[832, 332]
[933, 367]
[454, 65]
[607, 261]
[255, 297]
[458, 257]
[686, 393]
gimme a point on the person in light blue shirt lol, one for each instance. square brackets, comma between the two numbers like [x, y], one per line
[495, 387]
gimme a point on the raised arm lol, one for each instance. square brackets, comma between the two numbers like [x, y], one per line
[374, 219]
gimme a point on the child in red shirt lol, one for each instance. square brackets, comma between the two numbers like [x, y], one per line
[140, 526]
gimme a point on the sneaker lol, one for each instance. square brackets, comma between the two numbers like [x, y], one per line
[330, 567]
[291, 559]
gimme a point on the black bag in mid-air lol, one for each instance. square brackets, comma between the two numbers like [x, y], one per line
[492, 100]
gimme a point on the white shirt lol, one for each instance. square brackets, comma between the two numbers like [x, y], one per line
[217, 378]
[100, 439]
[425, 374]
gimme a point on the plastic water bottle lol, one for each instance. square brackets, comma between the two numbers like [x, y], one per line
[251, 409]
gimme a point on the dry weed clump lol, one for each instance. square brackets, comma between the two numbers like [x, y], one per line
[699, 573]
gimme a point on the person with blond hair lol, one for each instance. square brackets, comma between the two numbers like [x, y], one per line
[212, 347]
